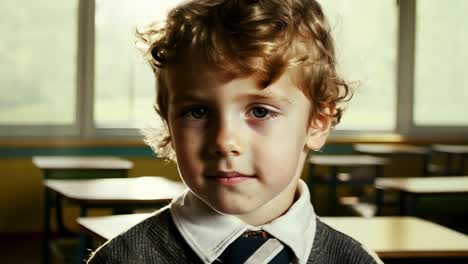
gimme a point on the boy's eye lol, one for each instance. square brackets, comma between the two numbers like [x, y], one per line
[196, 113]
[260, 112]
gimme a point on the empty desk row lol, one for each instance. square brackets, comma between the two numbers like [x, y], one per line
[97, 182]
[393, 150]
[362, 170]
[118, 193]
[71, 167]
[410, 189]
[451, 153]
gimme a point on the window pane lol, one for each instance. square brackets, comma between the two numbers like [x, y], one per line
[124, 82]
[366, 41]
[441, 79]
[38, 62]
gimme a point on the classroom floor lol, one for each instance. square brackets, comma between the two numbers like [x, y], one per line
[26, 251]
[21, 251]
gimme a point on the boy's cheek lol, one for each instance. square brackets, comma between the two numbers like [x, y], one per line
[188, 167]
[277, 153]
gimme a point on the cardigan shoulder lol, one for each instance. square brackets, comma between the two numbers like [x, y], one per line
[332, 246]
[154, 240]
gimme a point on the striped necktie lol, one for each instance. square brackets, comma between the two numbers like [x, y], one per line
[256, 247]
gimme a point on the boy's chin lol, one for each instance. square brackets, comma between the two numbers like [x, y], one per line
[229, 209]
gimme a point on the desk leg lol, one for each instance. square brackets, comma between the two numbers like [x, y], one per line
[411, 210]
[84, 239]
[403, 196]
[425, 165]
[379, 201]
[332, 199]
[46, 228]
[448, 170]
[463, 160]
[59, 215]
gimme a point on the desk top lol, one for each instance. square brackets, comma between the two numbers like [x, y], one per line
[425, 185]
[138, 190]
[387, 236]
[347, 160]
[80, 162]
[452, 149]
[390, 149]
[402, 236]
[108, 227]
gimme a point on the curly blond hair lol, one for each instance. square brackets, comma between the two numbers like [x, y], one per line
[243, 37]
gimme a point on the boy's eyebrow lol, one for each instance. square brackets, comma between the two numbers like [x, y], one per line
[251, 97]
[269, 96]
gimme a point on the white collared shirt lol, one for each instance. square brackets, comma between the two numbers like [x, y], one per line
[209, 233]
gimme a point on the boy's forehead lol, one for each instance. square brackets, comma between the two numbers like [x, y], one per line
[191, 80]
[191, 65]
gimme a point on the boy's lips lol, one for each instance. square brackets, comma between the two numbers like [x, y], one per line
[230, 174]
[230, 178]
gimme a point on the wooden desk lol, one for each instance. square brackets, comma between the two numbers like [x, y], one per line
[79, 167]
[450, 152]
[69, 167]
[396, 149]
[118, 193]
[454, 149]
[410, 188]
[390, 149]
[104, 228]
[347, 160]
[138, 191]
[398, 237]
[334, 163]
[389, 237]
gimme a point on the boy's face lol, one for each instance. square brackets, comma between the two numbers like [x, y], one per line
[240, 148]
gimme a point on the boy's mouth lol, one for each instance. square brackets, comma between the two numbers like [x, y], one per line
[230, 178]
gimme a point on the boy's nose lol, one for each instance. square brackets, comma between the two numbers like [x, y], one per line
[226, 141]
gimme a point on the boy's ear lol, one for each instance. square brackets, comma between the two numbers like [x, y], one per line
[319, 129]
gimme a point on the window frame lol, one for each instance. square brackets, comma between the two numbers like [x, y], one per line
[405, 126]
[405, 76]
[84, 125]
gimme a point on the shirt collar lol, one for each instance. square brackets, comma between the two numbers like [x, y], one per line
[209, 233]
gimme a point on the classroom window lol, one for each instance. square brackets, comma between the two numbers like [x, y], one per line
[71, 67]
[124, 82]
[441, 79]
[365, 32]
[38, 62]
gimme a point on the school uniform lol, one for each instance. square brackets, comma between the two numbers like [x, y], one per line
[189, 231]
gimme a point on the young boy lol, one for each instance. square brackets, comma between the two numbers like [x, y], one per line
[246, 88]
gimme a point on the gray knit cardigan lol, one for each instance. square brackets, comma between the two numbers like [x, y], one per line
[157, 240]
